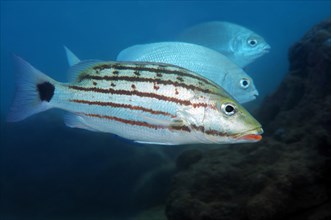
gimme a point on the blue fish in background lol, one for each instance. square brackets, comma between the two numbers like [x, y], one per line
[199, 59]
[238, 43]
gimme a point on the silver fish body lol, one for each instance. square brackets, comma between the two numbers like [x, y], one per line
[145, 102]
[238, 43]
[204, 61]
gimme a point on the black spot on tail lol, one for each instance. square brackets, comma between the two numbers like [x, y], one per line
[46, 91]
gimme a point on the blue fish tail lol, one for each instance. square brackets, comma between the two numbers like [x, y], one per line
[34, 91]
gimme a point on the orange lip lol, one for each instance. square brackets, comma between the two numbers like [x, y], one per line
[252, 137]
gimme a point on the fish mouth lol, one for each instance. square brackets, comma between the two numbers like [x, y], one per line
[248, 98]
[266, 48]
[253, 135]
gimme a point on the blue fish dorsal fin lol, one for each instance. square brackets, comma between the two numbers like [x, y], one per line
[71, 57]
[134, 53]
[77, 69]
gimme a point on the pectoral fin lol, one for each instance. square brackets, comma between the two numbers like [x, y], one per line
[163, 122]
[77, 121]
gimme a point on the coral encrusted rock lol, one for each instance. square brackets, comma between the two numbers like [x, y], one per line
[285, 176]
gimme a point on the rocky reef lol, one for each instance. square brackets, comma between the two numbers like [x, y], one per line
[287, 174]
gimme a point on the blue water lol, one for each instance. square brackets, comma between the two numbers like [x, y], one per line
[53, 172]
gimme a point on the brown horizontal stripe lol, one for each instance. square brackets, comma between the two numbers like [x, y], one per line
[199, 128]
[125, 121]
[141, 94]
[138, 123]
[145, 124]
[216, 133]
[158, 69]
[151, 80]
[181, 128]
[137, 93]
[208, 132]
[118, 105]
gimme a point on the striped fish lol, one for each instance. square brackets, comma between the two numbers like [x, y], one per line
[150, 103]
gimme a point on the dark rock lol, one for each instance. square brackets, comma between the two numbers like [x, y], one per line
[287, 174]
[152, 187]
[187, 158]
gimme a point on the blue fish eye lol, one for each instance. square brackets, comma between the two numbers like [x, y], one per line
[244, 83]
[252, 42]
[228, 109]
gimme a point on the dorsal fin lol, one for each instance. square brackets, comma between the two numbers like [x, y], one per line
[76, 70]
[71, 57]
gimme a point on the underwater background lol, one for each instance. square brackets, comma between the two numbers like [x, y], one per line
[49, 171]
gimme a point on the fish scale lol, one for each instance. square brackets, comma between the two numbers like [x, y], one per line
[238, 43]
[104, 105]
[206, 62]
[167, 91]
[156, 72]
[145, 102]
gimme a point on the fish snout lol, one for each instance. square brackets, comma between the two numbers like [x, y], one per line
[256, 94]
[266, 48]
[253, 135]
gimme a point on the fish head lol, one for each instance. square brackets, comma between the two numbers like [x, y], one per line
[250, 46]
[232, 123]
[240, 85]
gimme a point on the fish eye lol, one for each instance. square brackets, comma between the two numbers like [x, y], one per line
[228, 109]
[252, 42]
[244, 83]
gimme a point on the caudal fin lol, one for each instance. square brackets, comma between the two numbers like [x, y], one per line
[34, 91]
